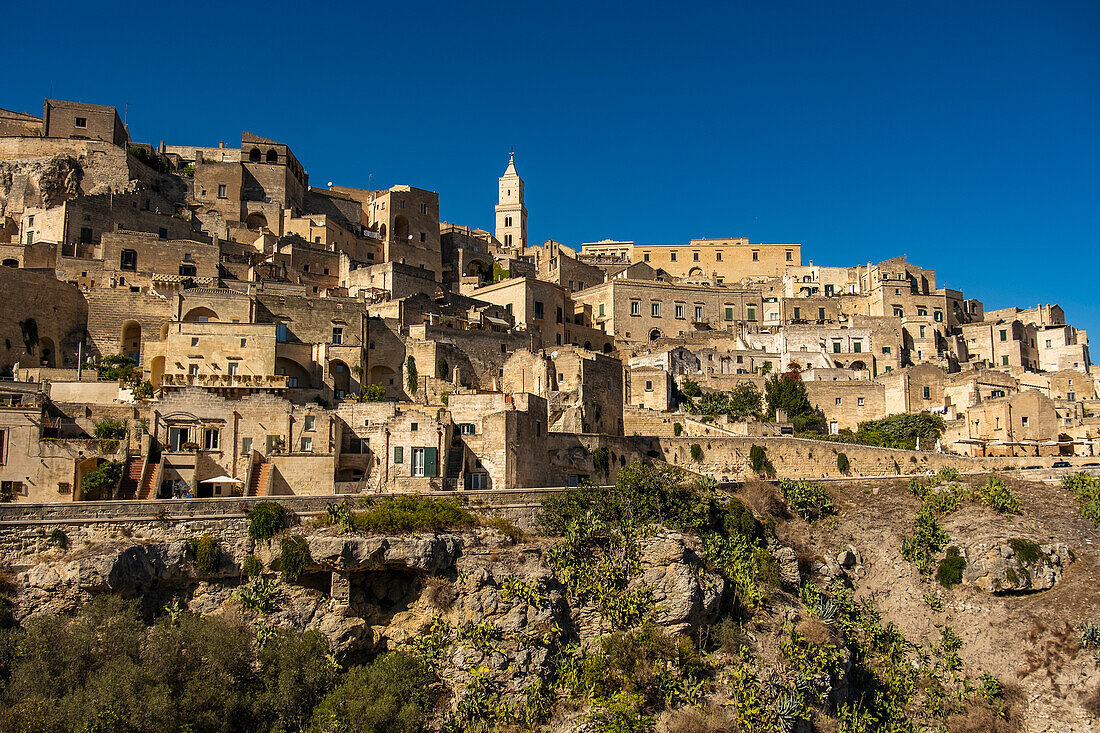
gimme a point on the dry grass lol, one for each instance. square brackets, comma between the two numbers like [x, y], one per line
[438, 592]
[713, 719]
[764, 500]
[815, 631]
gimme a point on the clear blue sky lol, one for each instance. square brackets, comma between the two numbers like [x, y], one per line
[963, 134]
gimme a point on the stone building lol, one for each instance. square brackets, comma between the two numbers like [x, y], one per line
[82, 121]
[716, 261]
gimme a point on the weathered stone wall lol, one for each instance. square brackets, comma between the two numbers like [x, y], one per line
[60, 316]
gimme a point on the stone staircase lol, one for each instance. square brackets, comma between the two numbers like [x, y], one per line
[131, 477]
[455, 462]
[257, 485]
[148, 484]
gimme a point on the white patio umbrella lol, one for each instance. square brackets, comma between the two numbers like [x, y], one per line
[221, 480]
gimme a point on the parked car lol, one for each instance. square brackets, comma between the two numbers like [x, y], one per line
[1091, 465]
[1061, 464]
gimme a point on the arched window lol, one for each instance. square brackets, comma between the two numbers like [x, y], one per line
[254, 155]
[272, 156]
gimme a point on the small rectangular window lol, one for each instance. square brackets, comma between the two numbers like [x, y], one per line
[233, 367]
[679, 311]
[211, 437]
[635, 308]
[755, 256]
[81, 122]
[838, 399]
[655, 310]
[398, 454]
[337, 335]
[223, 191]
[188, 271]
[698, 314]
[309, 423]
[729, 314]
[927, 392]
[790, 255]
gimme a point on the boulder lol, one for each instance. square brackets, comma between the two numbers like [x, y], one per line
[686, 595]
[1015, 566]
[430, 553]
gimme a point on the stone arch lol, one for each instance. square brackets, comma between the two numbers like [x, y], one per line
[695, 272]
[256, 220]
[298, 376]
[47, 352]
[340, 374]
[130, 340]
[477, 267]
[83, 468]
[856, 366]
[401, 227]
[385, 376]
[607, 348]
[273, 156]
[156, 370]
[655, 334]
[382, 231]
[254, 155]
[587, 345]
[10, 262]
[201, 314]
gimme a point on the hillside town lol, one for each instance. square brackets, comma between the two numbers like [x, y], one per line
[207, 322]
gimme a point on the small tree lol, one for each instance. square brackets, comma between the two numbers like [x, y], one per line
[411, 377]
[691, 389]
[101, 482]
[293, 557]
[842, 463]
[696, 452]
[265, 520]
[207, 553]
[372, 393]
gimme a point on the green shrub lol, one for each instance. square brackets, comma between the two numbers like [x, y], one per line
[505, 526]
[927, 539]
[677, 429]
[293, 557]
[117, 368]
[1090, 635]
[757, 456]
[266, 519]
[99, 484]
[999, 497]
[1086, 489]
[58, 539]
[372, 393]
[696, 452]
[807, 499]
[144, 390]
[207, 553]
[411, 377]
[252, 566]
[401, 514]
[691, 388]
[951, 568]
[948, 474]
[442, 369]
[394, 693]
[601, 460]
[842, 463]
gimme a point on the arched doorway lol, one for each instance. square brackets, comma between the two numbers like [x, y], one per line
[130, 342]
[386, 377]
[46, 352]
[587, 345]
[256, 220]
[272, 156]
[156, 370]
[655, 334]
[254, 155]
[297, 376]
[201, 314]
[9, 262]
[341, 378]
[607, 348]
[401, 227]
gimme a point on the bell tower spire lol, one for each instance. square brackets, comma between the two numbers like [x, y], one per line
[511, 214]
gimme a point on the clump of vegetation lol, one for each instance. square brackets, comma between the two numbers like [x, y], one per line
[597, 557]
[252, 566]
[259, 595]
[411, 378]
[403, 514]
[950, 571]
[1090, 635]
[758, 461]
[696, 452]
[999, 497]
[787, 392]
[741, 403]
[1026, 551]
[505, 526]
[842, 463]
[807, 499]
[109, 432]
[207, 554]
[58, 539]
[372, 393]
[927, 540]
[293, 557]
[266, 519]
[897, 431]
[144, 391]
[98, 484]
[1086, 489]
[601, 459]
[677, 429]
[118, 368]
[947, 474]
[691, 389]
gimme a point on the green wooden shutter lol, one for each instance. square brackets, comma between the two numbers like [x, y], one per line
[398, 454]
[431, 460]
